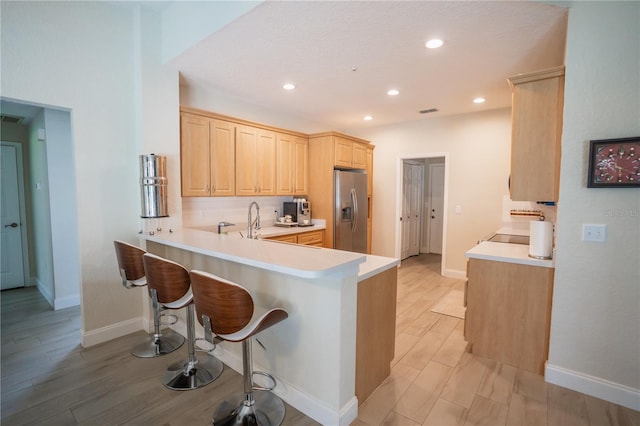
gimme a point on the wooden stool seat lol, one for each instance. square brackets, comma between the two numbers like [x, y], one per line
[226, 310]
[133, 276]
[170, 287]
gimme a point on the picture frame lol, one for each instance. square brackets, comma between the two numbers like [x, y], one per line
[614, 163]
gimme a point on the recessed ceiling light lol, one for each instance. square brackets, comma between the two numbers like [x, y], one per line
[393, 92]
[479, 100]
[434, 43]
[368, 118]
[289, 86]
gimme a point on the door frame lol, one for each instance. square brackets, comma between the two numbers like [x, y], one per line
[23, 211]
[399, 178]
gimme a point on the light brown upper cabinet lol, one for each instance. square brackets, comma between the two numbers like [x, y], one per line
[255, 161]
[207, 156]
[292, 160]
[350, 154]
[537, 108]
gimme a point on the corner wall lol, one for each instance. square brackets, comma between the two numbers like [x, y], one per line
[595, 323]
[87, 69]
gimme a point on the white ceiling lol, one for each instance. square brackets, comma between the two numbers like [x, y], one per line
[317, 45]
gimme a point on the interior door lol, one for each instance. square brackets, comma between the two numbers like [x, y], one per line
[404, 216]
[436, 207]
[412, 184]
[12, 270]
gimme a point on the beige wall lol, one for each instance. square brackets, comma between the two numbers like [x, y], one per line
[89, 70]
[478, 150]
[595, 325]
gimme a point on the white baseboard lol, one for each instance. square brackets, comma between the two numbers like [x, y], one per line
[290, 394]
[455, 273]
[66, 302]
[56, 303]
[111, 332]
[594, 386]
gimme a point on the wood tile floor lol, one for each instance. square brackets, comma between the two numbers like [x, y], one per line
[435, 381]
[48, 378]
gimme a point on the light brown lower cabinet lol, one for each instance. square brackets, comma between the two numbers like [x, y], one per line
[375, 331]
[311, 238]
[509, 312]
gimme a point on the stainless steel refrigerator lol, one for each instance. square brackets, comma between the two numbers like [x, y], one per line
[350, 211]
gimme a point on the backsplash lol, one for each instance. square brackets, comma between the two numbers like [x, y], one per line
[209, 211]
[521, 222]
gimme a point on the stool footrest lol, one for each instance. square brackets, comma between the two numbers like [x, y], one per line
[170, 319]
[264, 388]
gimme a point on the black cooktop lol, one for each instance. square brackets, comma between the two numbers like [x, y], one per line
[509, 238]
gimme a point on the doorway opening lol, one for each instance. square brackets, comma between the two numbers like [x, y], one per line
[13, 218]
[422, 188]
[51, 253]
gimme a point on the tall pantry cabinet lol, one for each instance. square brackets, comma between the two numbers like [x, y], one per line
[328, 151]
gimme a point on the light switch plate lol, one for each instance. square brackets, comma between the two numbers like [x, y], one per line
[595, 233]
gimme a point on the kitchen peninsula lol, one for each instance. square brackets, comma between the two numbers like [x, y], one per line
[313, 354]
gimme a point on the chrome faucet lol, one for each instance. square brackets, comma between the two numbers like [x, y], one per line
[223, 225]
[250, 223]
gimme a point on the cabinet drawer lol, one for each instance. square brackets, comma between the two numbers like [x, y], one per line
[285, 238]
[311, 238]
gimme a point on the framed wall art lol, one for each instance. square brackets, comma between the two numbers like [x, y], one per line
[614, 163]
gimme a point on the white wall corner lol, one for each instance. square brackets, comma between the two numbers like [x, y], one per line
[455, 273]
[594, 386]
[44, 292]
[66, 302]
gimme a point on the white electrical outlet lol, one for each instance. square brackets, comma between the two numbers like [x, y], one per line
[595, 233]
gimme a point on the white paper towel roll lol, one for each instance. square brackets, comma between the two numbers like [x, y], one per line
[540, 239]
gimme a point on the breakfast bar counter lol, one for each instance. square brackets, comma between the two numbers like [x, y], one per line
[312, 353]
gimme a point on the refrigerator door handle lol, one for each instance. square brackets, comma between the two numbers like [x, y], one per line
[354, 200]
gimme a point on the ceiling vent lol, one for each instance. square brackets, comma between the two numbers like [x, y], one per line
[13, 119]
[427, 111]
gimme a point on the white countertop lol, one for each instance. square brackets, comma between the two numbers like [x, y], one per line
[374, 265]
[505, 252]
[292, 259]
[270, 230]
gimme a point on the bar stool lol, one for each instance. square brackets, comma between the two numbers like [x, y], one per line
[132, 273]
[226, 309]
[170, 287]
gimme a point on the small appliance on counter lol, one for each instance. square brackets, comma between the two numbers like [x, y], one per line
[153, 193]
[299, 209]
[541, 243]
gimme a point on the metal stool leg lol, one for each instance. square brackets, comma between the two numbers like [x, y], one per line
[196, 371]
[161, 343]
[253, 407]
